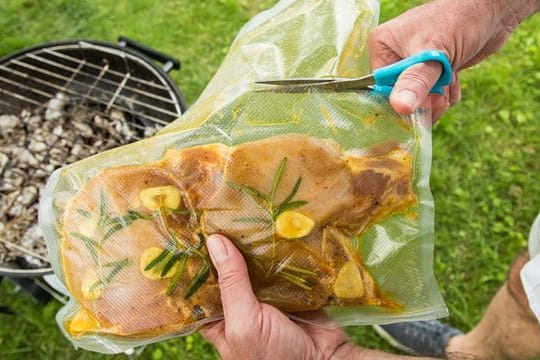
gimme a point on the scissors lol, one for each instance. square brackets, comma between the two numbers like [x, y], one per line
[381, 81]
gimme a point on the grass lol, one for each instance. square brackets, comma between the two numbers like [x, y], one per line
[486, 151]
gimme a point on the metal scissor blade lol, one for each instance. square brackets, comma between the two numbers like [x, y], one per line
[295, 81]
[329, 84]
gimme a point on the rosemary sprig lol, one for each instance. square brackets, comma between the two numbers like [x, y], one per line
[270, 206]
[293, 274]
[118, 223]
[249, 190]
[268, 202]
[180, 251]
[107, 224]
[117, 267]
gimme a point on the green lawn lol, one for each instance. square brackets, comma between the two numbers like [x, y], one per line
[485, 168]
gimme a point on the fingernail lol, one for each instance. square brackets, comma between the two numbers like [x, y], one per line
[217, 249]
[407, 97]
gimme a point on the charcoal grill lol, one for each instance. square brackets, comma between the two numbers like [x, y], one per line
[97, 76]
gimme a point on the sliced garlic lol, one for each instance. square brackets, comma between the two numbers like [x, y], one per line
[155, 272]
[82, 322]
[155, 198]
[88, 226]
[348, 283]
[292, 225]
[91, 285]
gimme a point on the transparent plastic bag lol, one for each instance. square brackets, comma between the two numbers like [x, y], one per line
[326, 194]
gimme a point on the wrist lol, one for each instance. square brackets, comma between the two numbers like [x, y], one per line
[513, 12]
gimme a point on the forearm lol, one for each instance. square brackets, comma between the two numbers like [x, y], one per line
[513, 12]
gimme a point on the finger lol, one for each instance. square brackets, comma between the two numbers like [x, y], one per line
[455, 90]
[214, 332]
[240, 306]
[379, 52]
[438, 112]
[413, 86]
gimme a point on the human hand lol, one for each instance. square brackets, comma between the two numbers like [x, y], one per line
[467, 31]
[252, 330]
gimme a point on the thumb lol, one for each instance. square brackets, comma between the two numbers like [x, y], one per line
[413, 86]
[240, 306]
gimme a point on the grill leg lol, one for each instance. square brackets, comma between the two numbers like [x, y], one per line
[29, 286]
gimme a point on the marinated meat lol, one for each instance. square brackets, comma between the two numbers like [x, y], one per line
[134, 254]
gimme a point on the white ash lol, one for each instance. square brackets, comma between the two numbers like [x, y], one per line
[35, 143]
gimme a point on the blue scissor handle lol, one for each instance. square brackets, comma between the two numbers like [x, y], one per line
[386, 77]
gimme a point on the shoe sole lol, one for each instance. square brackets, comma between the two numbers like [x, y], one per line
[392, 341]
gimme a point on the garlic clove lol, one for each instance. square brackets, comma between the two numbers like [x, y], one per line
[292, 225]
[91, 286]
[158, 197]
[82, 322]
[348, 283]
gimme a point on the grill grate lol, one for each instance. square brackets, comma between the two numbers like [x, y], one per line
[97, 76]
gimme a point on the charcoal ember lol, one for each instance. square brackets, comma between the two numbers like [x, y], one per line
[8, 124]
[33, 144]
[3, 161]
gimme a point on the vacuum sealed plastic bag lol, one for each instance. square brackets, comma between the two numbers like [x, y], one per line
[326, 194]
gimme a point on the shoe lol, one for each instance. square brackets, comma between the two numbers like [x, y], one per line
[422, 338]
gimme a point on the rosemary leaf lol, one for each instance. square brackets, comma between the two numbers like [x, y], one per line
[113, 220]
[253, 220]
[169, 264]
[133, 215]
[90, 244]
[293, 192]
[84, 213]
[299, 270]
[202, 241]
[289, 206]
[157, 259]
[111, 232]
[249, 190]
[175, 280]
[198, 281]
[298, 281]
[118, 223]
[277, 179]
[117, 267]
[103, 215]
